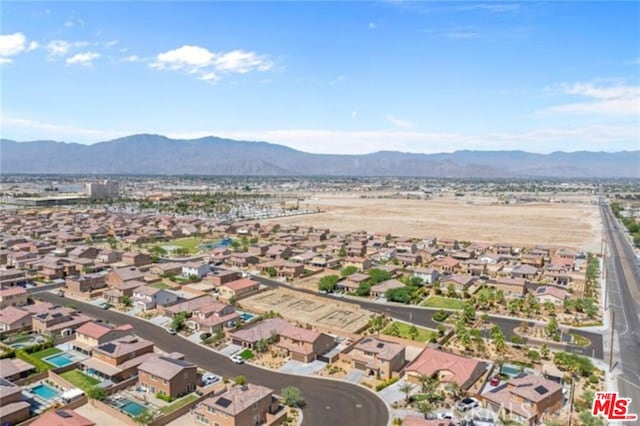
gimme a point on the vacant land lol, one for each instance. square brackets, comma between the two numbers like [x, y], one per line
[313, 310]
[575, 224]
[403, 330]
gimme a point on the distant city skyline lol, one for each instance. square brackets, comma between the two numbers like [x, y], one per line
[345, 78]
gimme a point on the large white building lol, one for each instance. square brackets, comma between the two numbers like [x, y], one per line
[102, 190]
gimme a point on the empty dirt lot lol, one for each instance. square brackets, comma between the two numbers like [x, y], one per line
[576, 225]
[306, 309]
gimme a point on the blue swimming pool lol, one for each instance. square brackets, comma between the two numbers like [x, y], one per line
[59, 360]
[45, 391]
[511, 370]
[246, 317]
[132, 408]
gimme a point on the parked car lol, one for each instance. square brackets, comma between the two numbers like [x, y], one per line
[209, 379]
[445, 416]
[467, 404]
[237, 359]
[104, 306]
[495, 380]
[60, 293]
[172, 331]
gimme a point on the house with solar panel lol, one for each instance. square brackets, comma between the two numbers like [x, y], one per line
[239, 406]
[170, 374]
[526, 399]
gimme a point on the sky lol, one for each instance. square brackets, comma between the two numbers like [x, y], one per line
[326, 77]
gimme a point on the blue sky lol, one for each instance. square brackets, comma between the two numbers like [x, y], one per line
[333, 77]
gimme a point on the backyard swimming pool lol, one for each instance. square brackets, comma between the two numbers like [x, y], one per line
[45, 391]
[59, 360]
[511, 370]
[132, 408]
[246, 316]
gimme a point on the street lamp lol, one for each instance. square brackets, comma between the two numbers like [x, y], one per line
[613, 328]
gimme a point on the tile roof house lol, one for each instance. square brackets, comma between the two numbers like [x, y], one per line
[448, 367]
[377, 357]
[13, 296]
[147, 297]
[119, 276]
[459, 282]
[527, 399]
[380, 289]
[15, 319]
[15, 369]
[13, 409]
[212, 316]
[302, 344]
[240, 406]
[248, 336]
[62, 418]
[92, 334]
[118, 359]
[552, 294]
[169, 374]
[237, 289]
[55, 320]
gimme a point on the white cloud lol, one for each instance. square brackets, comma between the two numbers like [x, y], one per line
[33, 46]
[85, 59]
[40, 130]
[209, 66]
[58, 48]
[11, 45]
[617, 99]
[131, 58]
[373, 25]
[72, 22]
[399, 122]
[5, 60]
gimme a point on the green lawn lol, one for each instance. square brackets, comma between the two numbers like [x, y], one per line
[191, 244]
[442, 302]
[80, 380]
[247, 354]
[160, 285]
[178, 403]
[45, 353]
[403, 330]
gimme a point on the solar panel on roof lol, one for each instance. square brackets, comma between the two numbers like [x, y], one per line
[541, 390]
[367, 340]
[108, 347]
[223, 402]
[380, 345]
[63, 414]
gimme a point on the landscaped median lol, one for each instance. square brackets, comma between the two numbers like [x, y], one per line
[442, 302]
[409, 332]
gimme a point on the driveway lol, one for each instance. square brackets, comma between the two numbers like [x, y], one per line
[161, 320]
[392, 393]
[230, 349]
[297, 367]
[355, 376]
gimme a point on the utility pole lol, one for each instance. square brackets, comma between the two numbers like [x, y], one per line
[613, 327]
[573, 390]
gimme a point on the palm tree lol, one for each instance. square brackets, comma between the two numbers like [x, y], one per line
[425, 407]
[406, 389]
[426, 382]
[455, 390]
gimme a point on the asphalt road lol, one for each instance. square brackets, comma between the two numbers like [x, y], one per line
[328, 402]
[423, 316]
[623, 287]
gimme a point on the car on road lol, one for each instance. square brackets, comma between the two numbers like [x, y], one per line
[445, 416]
[60, 293]
[467, 404]
[172, 331]
[237, 359]
[104, 305]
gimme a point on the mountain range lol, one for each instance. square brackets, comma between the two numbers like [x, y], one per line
[147, 154]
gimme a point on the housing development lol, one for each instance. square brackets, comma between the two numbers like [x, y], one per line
[121, 316]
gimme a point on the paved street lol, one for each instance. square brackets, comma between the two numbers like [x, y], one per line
[623, 285]
[423, 316]
[328, 401]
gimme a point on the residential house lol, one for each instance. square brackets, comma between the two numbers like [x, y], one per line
[241, 406]
[13, 296]
[548, 293]
[283, 268]
[198, 269]
[14, 319]
[116, 292]
[120, 276]
[13, 410]
[15, 369]
[51, 268]
[447, 367]
[249, 335]
[511, 287]
[118, 359]
[277, 251]
[85, 252]
[136, 259]
[352, 282]
[109, 256]
[242, 260]
[378, 357]
[147, 297]
[524, 271]
[557, 274]
[473, 267]
[212, 316]
[362, 263]
[219, 277]
[532, 259]
[459, 282]
[380, 289]
[302, 344]
[92, 334]
[447, 244]
[12, 278]
[409, 259]
[238, 289]
[446, 264]
[61, 418]
[86, 283]
[259, 249]
[170, 374]
[427, 275]
[526, 399]
[503, 248]
[55, 320]
[166, 268]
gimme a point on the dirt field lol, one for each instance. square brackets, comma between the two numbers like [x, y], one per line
[576, 225]
[294, 306]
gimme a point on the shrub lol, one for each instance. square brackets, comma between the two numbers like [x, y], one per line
[97, 392]
[205, 336]
[9, 353]
[164, 397]
[440, 316]
[386, 383]
[594, 379]
[518, 340]
[39, 364]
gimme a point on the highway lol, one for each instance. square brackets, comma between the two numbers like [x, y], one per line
[423, 316]
[623, 288]
[328, 402]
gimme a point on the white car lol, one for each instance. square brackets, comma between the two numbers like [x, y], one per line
[237, 359]
[467, 404]
[445, 416]
[172, 331]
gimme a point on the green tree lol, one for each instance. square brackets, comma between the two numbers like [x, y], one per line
[144, 418]
[553, 330]
[416, 282]
[179, 321]
[240, 380]
[468, 312]
[292, 397]
[406, 389]
[328, 283]
[544, 351]
[261, 346]
[379, 275]
[424, 407]
[400, 294]
[394, 330]
[98, 393]
[271, 271]
[364, 289]
[451, 291]
[126, 301]
[342, 252]
[377, 322]
[413, 332]
[349, 270]
[587, 419]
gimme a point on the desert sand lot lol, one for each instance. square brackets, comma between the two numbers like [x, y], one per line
[307, 309]
[576, 225]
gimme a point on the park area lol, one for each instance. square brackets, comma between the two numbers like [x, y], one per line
[573, 224]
